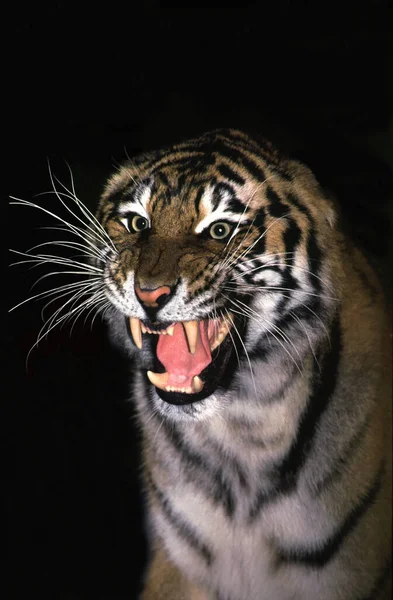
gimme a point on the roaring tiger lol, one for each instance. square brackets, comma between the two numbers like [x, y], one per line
[258, 335]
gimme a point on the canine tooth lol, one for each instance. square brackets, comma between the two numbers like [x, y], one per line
[170, 330]
[135, 326]
[160, 380]
[191, 330]
[221, 335]
[197, 384]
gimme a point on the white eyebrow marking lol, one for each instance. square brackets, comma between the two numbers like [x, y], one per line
[139, 203]
[220, 213]
[144, 195]
[132, 207]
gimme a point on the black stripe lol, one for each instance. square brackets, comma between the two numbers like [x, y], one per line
[324, 381]
[233, 465]
[276, 207]
[319, 557]
[344, 458]
[259, 147]
[292, 237]
[218, 192]
[178, 189]
[163, 178]
[233, 154]
[259, 247]
[236, 206]
[228, 173]
[198, 198]
[183, 528]
[293, 199]
[194, 160]
[324, 384]
[314, 256]
[204, 151]
[266, 344]
[260, 219]
[381, 580]
[314, 253]
[212, 479]
[171, 156]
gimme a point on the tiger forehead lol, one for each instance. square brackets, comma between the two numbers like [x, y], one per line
[178, 206]
[193, 199]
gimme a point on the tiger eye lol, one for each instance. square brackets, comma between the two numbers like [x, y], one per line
[220, 230]
[136, 223]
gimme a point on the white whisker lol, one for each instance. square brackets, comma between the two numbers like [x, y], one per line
[246, 310]
[233, 324]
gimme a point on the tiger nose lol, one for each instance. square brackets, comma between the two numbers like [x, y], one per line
[153, 298]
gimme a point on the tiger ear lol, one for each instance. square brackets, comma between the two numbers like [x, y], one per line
[332, 209]
[331, 217]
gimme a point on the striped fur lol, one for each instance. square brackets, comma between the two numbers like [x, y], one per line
[276, 485]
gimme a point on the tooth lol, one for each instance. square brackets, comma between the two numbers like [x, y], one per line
[144, 330]
[197, 384]
[135, 326]
[170, 330]
[160, 380]
[221, 334]
[191, 329]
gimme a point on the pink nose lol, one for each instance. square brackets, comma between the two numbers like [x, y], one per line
[150, 297]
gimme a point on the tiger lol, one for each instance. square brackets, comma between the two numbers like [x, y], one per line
[260, 350]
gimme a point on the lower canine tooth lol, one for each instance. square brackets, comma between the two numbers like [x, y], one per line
[135, 326]
[197, 384]
[160, 380]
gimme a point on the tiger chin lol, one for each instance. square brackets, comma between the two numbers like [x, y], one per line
[258, 336]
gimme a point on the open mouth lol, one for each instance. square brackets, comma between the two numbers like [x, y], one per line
[186, 351]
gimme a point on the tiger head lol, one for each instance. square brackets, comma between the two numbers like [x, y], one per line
[219, 248]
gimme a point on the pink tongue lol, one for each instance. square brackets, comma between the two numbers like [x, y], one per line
[180, 364]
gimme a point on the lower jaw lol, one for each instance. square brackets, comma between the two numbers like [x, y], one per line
[180, 399]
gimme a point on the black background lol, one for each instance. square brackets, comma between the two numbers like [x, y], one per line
[87, 83]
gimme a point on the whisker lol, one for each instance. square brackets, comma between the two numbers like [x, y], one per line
[227, 318]
[98, 229]
[258, 318]
[267, 265]
[54, 259]
[47, 293]
[307, 335]
[233, 324]
[256, 241]
[252, 289]
[78, 231]
[86, 250]
[88, 287]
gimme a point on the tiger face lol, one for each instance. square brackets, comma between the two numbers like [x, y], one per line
[216, 256]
